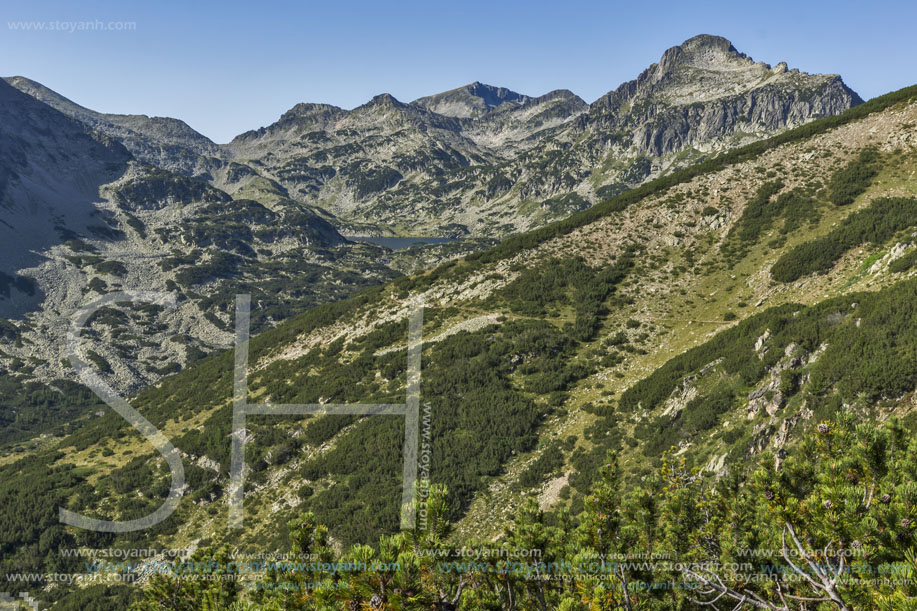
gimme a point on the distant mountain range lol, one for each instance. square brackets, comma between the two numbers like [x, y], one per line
[481, 160]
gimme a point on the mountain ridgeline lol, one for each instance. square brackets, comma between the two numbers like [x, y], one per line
[485, 161]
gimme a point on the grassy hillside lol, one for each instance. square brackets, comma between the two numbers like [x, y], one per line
[722, 311]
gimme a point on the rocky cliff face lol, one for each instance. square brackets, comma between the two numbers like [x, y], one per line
[704, 91]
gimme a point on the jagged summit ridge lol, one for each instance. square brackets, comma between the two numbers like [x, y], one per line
[472, 100]
[707, 67]
[493, 161]
[704, 50]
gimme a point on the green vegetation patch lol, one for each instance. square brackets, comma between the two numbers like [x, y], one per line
[876, 224]
[549, 462]
[904, 263]
[852, 180]
[557, 283]
[31, 407]
[762, 212]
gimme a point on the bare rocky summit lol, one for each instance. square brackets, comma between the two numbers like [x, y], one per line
[704, 91]
[169, 143]
[471, 100]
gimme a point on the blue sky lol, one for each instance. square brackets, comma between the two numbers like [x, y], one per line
[227, 67]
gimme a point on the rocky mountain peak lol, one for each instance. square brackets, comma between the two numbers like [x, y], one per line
[306, 114]
[384, 99]
[307, 109]
[472, 100]
[560, 94]
[707, 68]
[704, 50]
[493, 96]
[303, 117]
